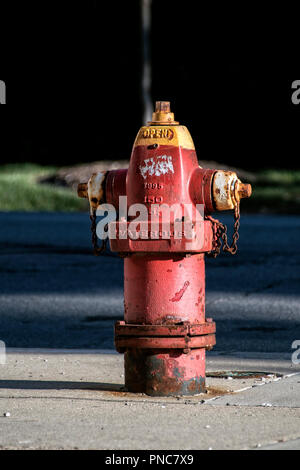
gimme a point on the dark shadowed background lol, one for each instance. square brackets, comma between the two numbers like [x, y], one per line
[74, 80]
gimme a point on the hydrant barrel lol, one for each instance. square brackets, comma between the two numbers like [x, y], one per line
[172, 287]
[173, 292]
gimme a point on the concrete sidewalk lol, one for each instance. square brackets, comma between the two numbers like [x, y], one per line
[68, 399]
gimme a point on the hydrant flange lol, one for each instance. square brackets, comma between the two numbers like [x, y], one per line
[185, 337]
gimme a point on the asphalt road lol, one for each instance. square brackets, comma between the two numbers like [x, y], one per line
[55, 294]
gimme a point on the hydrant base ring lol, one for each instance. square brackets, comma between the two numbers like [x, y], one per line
[185, 336]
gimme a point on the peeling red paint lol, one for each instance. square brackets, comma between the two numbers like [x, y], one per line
[180, 293]
[165, 344]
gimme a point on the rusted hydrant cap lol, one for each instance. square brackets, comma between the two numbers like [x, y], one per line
[162, 114]
[228, 190]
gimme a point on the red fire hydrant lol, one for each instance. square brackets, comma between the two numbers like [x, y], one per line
[164, 334]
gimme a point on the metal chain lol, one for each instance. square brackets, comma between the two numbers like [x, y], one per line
[97, 250]
[220, 234]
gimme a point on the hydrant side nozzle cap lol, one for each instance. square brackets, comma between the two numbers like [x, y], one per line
[162, 114]
[228, 190]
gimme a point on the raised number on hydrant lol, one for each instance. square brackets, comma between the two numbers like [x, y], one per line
[165, 333]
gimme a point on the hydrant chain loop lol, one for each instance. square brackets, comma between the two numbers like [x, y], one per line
[220, 233]
[97, 250]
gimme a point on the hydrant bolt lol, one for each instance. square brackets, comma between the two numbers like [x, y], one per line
[243, 190]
